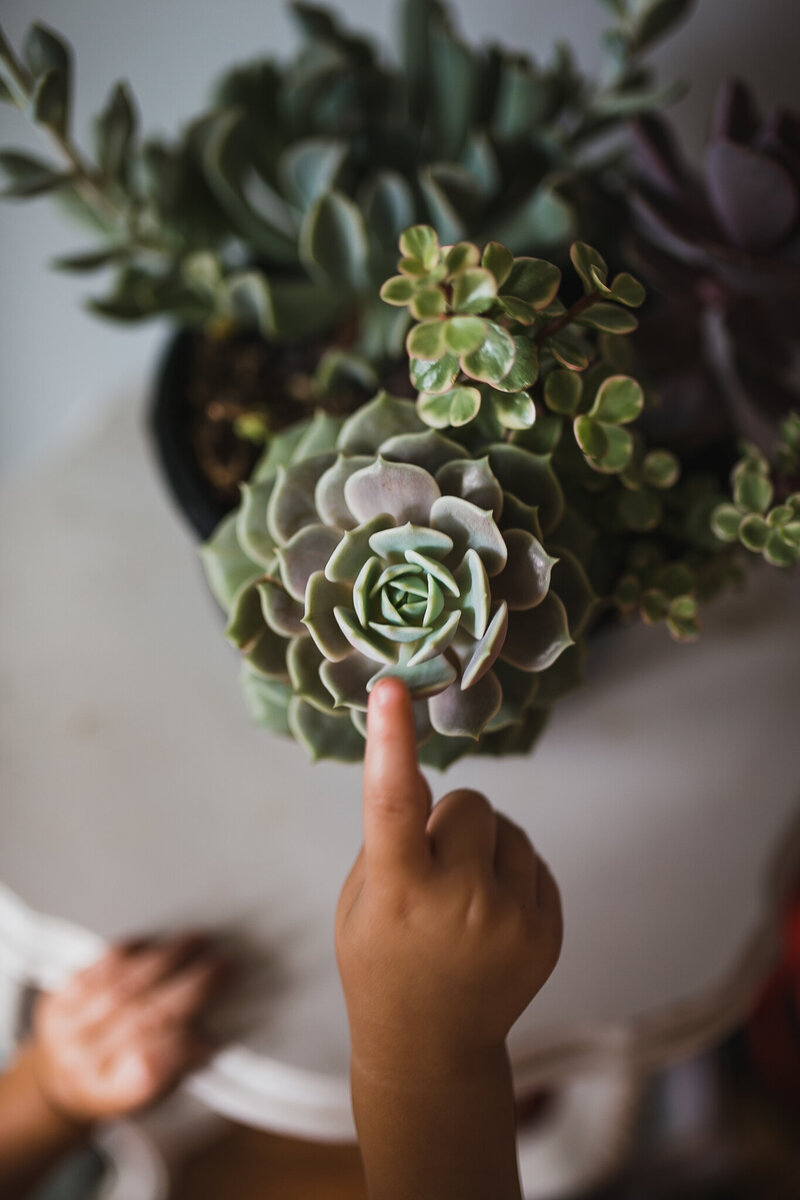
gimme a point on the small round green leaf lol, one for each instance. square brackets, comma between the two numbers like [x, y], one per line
[619, 400]
[497, 259]
[584, 259]
[461, 256]
[474, 290]
[753, 492]
[609, 318]
[534, 280]
[661, 469]
[464, 334]
[591, 437]
[627, 290]
[426, 340]
[780, 552]
[494, 358]
[456, 407]
[433, 375]
[398, 290]
[725, 522]
[640, 510]
[754, 532]
[421, 242]
[563, 391]
[428, 302]
[514, 410]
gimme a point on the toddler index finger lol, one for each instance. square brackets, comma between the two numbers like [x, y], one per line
[396, 797]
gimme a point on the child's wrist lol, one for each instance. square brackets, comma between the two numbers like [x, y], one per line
[71, 1126]
[414, 1065]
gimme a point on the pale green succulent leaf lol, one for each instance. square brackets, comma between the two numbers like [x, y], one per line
[571, 584]
[519, 310]
[347, 680]
[753, 492]
[525, 580]
[364, 640]
[537, 636]
[470, 527]
[267, 655]
[754, 532]
[310, 167]
[354, 549]
[400, 633]
[475, 594]
[483, 655]
[456, 712]
[291, 505]
[333, 240]
[226, 565]
[382, 418]
[422, 679]
[251, 522]
[267, 700]
[322, 597]
[429, 450]
[427, 340]
[572, 351]
[329, 498]
[434, 602]
[362, 588]
[410, 537]
[320, 436]
[245, 620]
[306, 553]
[725, 522]
[304, 662]
[402, 490]
[281, 611]
[434, 568]
[472, 479]
[531, 479]
[628, 290]
[325, 735]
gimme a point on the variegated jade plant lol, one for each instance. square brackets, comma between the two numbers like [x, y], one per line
[463, 542]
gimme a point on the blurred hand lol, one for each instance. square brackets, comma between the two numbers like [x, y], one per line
[449, 923]
[123, 1032]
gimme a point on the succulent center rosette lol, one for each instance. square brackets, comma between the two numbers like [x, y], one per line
[374, 547]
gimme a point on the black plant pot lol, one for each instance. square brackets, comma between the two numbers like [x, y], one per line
[167, 427]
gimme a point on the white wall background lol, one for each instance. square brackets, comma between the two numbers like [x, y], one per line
[58, 364]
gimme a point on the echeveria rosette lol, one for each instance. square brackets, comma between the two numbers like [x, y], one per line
[375, 546]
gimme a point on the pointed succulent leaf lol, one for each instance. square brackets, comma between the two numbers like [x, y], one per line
[308, 168]
[291, 505]
[436, 641]
[267, 700]
[366, 641]
[472, 479]
[322, 597]
[474, 290]
[537, 636]
[280, 452]
[563, 391]
[456, 407]
[533, 280]
[410, 537]
[585, 260]
[499, 260]
[333, 240]
[619, 400]
[304, 662]
[325, 735]
[383, 417]
[50, 102]
[423, 679]
[428, 450]
[24, 175]
[464, 334]
[432, 567]
[402, 490]
[353, 550]
[531, 479]
[565, 675]
[245, 620]
[427, 340]
[456, 712]
[251, 523]
[494, 358]
[281, 611]
[571, 584]
[306, 553]
[519, 690]
[525, 580]
[434, 375]
[320, 435]
[475, 594]
[226, 565]
[518, 515]
[483, 655]
[347, 680]
[525, 370]
[329, 498]
[267, 655]
[115, 130]
[470, 527]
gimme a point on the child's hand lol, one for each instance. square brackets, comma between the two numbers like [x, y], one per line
[122, 1032]
[449, 923]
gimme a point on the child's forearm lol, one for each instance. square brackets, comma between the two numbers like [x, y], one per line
[437, 1131]
[34, 1134]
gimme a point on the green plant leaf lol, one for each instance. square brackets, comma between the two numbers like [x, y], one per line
[433, 375]
[640, 510]
[609, 318]
[499, 260]
[50, 102]
[586, 259]
[620, 451]
[661, 469]
[427, 340]
[422, 243]
[27, 176]
[725, 522]
[533, 280]
[779, 552]
[310, 167]
[249, 299]
[754, 532]
[462, 335]
[627, 290]
[494, 358]
[525, 370]
[428, 302]
[563, 391]
[456, 407]
[619, 400]
[514, 410]
[114, 132]
[398, 290]
[461, 257]
[92, 260]
[474, 290]
[44, 51]
[388, 207]
[333, 240]
[591, 437]
[753, 492]
[570, 350]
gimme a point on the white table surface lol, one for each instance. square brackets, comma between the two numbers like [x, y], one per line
[137, 796]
